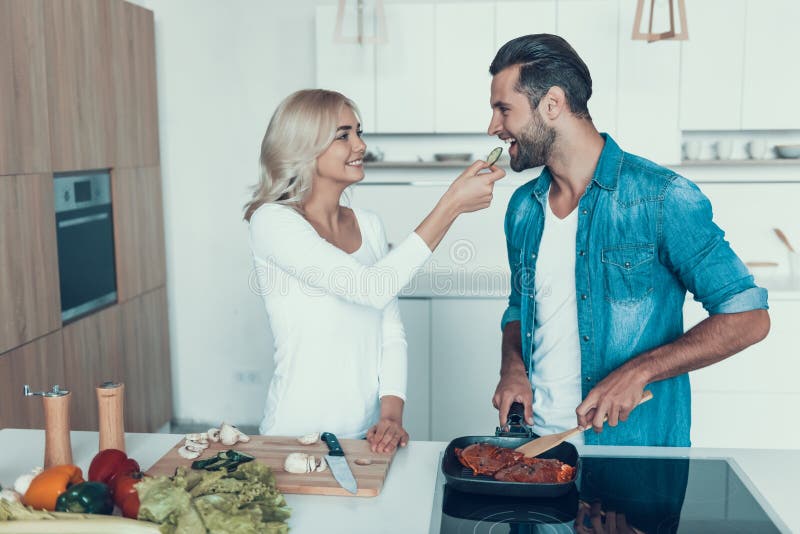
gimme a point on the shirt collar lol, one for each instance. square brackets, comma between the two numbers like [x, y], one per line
[606, 174]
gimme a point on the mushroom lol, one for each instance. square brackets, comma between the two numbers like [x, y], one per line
[229, 435]
[195, 446]
[23, 481]
[323, 465]
[200, 437]
[300, 462]
[309, 439]
[10, 495]
[213, 434]
[188, 453]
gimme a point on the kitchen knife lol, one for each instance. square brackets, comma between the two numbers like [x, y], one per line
[338, 463]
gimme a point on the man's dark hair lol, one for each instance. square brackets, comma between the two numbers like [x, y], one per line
[546, 60]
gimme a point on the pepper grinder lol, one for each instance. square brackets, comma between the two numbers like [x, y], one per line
[57, 446]
[110, 397]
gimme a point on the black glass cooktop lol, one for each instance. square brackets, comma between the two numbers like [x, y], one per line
[617, 496]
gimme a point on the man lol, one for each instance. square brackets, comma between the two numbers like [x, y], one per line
[602, 247]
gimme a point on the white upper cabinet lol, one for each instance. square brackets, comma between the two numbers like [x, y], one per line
[514, 19]
[647, 93]
[464, 49]
[711, 66]
[592, 28]
[345, 67]
[771, 66]
[405, 70]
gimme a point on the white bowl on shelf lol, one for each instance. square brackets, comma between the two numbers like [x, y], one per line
[788, 151]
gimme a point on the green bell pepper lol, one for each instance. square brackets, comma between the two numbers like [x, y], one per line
[86, 498]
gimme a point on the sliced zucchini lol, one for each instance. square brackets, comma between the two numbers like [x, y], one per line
[494, 155]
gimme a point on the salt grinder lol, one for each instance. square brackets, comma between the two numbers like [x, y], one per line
[57, 446]
[110, 412]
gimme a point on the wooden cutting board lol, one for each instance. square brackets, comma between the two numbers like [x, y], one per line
[272, 451]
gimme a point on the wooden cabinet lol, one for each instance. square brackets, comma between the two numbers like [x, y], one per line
[647, 95]
[592, 28]
[146, 362]
[138, 231]
[24, 131]
[515, 19]
[416, 315]
[712, 67]
[771, 70]
[30, 305]
[39, 364]
[404, 71]
[134, 86]
[79, 86]
[465, 366]
[93, 352]
[463, 51]
[345, 67]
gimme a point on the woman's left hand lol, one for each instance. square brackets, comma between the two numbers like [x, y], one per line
[385, 436]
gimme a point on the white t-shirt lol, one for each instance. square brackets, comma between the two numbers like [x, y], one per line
[556, 377]
[339, 340]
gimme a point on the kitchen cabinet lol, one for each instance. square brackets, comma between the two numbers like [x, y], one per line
[647, 94]
[146, 361]
[404, 71]
[515, 19]
[465, 366]
[30, 306]
[93, 355]
[138, 231]
[771, 75]
[463, 51]
[742, 401]
[24, 128]
[38, 364]
[79, 84]
[712, 64]
[416, 315]
[134, 85]
[348, 68]
[592, 28]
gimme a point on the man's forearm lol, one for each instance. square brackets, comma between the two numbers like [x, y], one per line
[511, 350]
[712, 340]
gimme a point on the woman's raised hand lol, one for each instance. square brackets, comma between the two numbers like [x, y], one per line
[472, 190]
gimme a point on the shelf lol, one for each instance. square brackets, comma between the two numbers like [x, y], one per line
[736, 162]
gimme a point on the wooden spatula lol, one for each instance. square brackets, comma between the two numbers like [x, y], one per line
[545, 443]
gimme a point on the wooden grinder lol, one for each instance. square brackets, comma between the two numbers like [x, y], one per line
[57, 445]
[110, 412]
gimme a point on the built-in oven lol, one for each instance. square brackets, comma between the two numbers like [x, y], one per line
[85, 236]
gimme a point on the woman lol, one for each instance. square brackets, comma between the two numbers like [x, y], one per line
[328, 280]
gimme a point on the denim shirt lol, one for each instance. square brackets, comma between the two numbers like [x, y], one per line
[645, 236]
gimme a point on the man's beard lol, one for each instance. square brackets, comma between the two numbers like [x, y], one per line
[534, 145]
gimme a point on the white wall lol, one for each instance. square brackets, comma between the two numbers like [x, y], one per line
[222, 69]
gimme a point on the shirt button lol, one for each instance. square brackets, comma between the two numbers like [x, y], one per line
[528, 334]
[585, 212]
[581, 253]
[588, 378]
[583, 297]
[533, 254]
[627, 264]
[586, 338]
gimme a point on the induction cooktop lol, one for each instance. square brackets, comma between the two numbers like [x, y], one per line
[618, 495]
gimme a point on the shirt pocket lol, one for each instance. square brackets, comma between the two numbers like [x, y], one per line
[628, 272]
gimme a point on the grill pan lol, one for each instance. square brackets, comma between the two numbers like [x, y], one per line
[461, 478]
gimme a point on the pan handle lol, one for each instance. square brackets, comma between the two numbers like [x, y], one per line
[515, 425]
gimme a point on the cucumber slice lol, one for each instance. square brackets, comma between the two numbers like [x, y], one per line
[494, 155]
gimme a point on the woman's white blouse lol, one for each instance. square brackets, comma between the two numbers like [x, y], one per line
[339, 340]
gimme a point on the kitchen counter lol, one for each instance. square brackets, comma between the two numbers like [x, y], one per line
[404, 505]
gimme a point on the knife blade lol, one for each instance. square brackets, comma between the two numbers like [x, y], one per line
[338, 463]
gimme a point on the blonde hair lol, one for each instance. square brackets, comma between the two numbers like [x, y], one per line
[301, 129]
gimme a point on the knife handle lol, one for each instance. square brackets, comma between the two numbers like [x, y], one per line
[333, 444]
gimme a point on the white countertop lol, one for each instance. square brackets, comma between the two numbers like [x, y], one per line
[404, 505]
